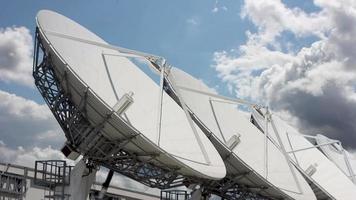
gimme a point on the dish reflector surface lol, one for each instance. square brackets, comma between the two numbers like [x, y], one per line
[111, 76]
[335, 153]
[230, 126]
[311, 160]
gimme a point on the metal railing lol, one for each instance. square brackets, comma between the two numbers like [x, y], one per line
[12, 186]
[174, 195]
[53, 175]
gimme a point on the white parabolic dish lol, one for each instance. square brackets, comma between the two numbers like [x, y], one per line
[335, 153]
[318, 167]
[110, 76]
[226, 122]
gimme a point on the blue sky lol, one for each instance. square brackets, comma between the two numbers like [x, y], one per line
[187, 33]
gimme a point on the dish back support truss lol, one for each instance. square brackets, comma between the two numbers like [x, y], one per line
[229, 188]
[74, 123]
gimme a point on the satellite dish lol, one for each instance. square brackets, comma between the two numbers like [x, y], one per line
[240, 142]
[323, 173]
[110, 83]
[337, 154]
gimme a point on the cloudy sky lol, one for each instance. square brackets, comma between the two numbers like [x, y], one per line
[297, 57]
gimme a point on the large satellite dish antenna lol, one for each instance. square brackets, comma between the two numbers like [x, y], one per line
[337, 154]
[324, 175]
[119, 106]
[240, 142]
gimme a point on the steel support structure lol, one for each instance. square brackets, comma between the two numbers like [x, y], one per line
[229, 188]
[82, 136]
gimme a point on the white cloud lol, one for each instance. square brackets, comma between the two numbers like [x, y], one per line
[26, 123]
[28, 156]
[217, 8]
[273, 17]
[16, 55]
[316, 85]
[192, 21]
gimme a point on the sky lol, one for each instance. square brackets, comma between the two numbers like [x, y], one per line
[297, 57]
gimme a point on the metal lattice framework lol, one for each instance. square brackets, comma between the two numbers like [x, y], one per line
[84, 137]
[228, 188]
